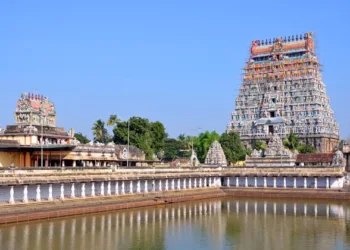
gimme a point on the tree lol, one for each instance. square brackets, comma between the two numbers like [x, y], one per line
[113, 120]
[306, 149]
[172, 148]
[232, 146]
[291, 142]
[260, 145]
[202, 143]
[147, 136]
[81, 138]
[100, 132]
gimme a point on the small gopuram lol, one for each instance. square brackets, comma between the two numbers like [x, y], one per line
[274, 156]
[215, 155]
[35, 141]
[283, 91]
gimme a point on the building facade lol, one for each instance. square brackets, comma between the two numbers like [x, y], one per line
[34, 141]
[282, 92]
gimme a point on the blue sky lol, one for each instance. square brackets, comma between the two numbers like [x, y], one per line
[179, 62]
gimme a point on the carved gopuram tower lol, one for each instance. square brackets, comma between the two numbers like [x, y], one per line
[283, 91]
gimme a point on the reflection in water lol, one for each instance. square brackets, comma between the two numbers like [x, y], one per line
[211, 224]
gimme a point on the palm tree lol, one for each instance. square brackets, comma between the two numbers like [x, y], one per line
[291, 142]
[99, 131]
[113, 120]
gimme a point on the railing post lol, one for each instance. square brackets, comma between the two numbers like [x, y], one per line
[25, 194]
[92, 189]
[83, 190]
[12, 198]
[72, 191]
[138, 187]
[62, 192]
[146, 186]
[50, 193]
[108, 188]
[102, 193]
[38, 198]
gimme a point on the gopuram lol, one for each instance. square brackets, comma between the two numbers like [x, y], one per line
[282, 92]
[215, 155]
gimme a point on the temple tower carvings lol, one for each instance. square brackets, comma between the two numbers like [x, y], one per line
[283, 91]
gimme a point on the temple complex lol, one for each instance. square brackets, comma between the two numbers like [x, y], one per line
[282, 92]
[34, 140]
[215, 155]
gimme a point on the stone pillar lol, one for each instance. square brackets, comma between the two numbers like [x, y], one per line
[160, 185]
[116, 187]
[62, 192]
[63, 163]
[265, 182]
[178, 184]
[246, 181]
[205, 181]
[274, 182]
[72, 191]
[38, 198]
[138, 187]
[131, 187]
[123, 187]
[146, 186]
[316, 183]
[295, 182]
[166, 184]
[227, 181]
[209, 181]
[92, 189]
[173, 184]
[108, 188]
[74, 163]
[50, 193]
[12, 198]
[285, 182]
[327, 182]
[184, 183]
[102, 193]
[189, 183]
[25, 194]
[153, 185]
[195, 183]
[237, 181]
[255, 182]
[305, 182]
[200, 182]
[83, 190]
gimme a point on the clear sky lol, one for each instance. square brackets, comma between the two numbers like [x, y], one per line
[179, 62]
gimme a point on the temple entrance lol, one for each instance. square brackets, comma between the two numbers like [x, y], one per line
[271, 130]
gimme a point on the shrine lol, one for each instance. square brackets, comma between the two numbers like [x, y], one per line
[282, 91]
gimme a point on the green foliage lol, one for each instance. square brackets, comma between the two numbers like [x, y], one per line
[202, 143]
[100, 132]
[147, 136]
[260, 145]
[172, 148]
[306, 149]
[291, 142]
[113, 120]
[232, 146]
[81, 138]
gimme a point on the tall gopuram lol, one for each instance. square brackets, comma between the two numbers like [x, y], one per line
[283, 91]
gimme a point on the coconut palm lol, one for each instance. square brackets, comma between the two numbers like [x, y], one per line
[113, 120]
[99, 131]
[291, 142]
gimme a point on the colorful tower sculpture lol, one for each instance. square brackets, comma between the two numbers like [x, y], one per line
[282, 92]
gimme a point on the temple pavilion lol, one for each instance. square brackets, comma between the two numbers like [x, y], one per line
[34, 140]
[282, 91]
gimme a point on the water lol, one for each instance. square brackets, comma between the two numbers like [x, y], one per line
[210, 224]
